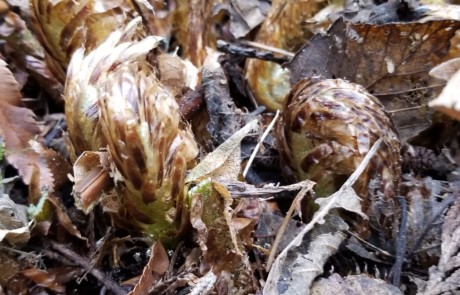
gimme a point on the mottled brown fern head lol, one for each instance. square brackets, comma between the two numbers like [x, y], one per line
[326, 130]
[114, 100]
[64, 26]
[89, 72]
[141, 123]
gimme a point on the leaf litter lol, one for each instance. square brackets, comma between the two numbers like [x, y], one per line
[244, 226]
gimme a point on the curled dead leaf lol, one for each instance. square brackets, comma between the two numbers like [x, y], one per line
[27, 53]
[212, 216]
[298, 265]
[154, 270]
[9, 87]
[56, 163]
[91, 174]
[225, 118]
[223, 161]
[197, 34]
[448, 102]
[18, 126]
[53, 278]
[244, 15]
[177, 75]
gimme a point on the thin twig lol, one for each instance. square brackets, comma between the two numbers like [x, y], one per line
[268, 48]
[166, 285]
[270, 191]
[366, 243]
[258, 264]
[363, 165]
[173, 260]
[262, 138]
[407, 109]
[249, 52]
[405, 91]
[87, 266]
[400, 245]
[283, 227]
[434, 246]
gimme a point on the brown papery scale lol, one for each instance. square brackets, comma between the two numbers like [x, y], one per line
[326, 130]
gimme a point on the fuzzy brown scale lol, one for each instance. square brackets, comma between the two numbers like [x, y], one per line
[326, 130]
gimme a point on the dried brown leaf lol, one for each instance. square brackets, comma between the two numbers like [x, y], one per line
[322, 20]
[424, 218]
[450, 247]
[9, 88]
[26, 52]
[57, 164]
[448, 102]
[18, 126]
[15, 236]
[445, 277]
[224, 117]
[218, 219]
[244, 15]
[63, 217]
[176, 75]
[53, 278]
[197, 34]
[300, 266]
[295, 269]
[293, 209]
[219, 239]
[92, 178]
[12, 215]
[353, 285]
[223, 161]
[156, 267]
[446, 70]
[392, 61]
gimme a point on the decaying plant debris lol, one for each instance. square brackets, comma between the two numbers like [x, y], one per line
[229, 147]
